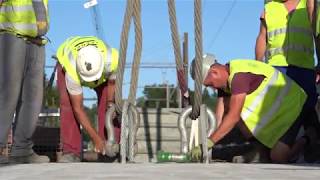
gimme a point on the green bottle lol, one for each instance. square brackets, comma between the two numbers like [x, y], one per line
[163, 156]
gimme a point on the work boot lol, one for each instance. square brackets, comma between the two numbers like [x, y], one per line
[29, 159]
[258, 154]
[69, 158]
[3, 158]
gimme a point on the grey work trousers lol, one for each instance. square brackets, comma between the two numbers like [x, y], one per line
[21, 91]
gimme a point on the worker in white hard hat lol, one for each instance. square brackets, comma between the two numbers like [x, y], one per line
[84, 62]
[260, 99]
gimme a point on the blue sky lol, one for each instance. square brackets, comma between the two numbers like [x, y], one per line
[230, 28]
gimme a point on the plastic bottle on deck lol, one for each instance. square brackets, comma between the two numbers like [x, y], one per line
[163, 156]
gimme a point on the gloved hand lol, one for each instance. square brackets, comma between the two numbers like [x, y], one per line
[210, 143]
[196, 152]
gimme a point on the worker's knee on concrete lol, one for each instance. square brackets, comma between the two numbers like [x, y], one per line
[278, 157]
[280, 153]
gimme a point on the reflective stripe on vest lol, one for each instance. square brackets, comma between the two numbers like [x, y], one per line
[25, 17]
[21, 26]
[276, 105]
[291, 47]
[10, 9]
[285, 30]
[246, 112]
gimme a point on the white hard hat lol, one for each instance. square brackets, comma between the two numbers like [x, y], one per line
[207, 61]
[89, 63]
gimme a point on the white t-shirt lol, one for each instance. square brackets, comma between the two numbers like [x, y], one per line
[74, 88]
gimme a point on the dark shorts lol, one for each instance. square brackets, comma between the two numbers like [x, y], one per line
[305, 78]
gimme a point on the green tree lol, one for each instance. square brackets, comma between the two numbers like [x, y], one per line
[51, 95]
[210, 99]
[155, 96]
[50, 104]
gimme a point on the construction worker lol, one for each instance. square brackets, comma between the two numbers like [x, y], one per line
[84, 62]
[23, 24]
[263, 100]
[286, 42]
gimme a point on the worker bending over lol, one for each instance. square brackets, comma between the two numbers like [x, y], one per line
[84, 62]
[265, 101]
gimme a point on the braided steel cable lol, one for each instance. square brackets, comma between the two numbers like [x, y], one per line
[133, 11]
[122, 56]
[198, 60]
[177, 49]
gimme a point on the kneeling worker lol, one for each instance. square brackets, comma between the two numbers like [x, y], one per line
[84, 62]
[266, 102]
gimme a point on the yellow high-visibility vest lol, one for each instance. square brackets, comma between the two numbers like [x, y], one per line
[68, 52]
[318, 19]
[272, 108]
[25, 17]
[290, 36]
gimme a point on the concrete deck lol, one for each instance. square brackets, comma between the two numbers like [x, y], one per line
[149, 171]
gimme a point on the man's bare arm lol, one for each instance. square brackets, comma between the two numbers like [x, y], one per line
[83, 119]
[261, 42]
[231, 118]
[219, 110]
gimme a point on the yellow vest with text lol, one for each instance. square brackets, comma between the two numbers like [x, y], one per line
[68, 52]
[24, 17]
[289, 36]
[271, 109]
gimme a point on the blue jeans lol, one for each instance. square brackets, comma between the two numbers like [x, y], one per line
[21, 91]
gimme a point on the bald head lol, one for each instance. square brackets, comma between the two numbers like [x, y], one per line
[217, 76]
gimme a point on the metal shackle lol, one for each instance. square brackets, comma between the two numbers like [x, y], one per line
[183, 130]
[112, 147]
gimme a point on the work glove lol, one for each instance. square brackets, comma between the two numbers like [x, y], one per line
[196, 152]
